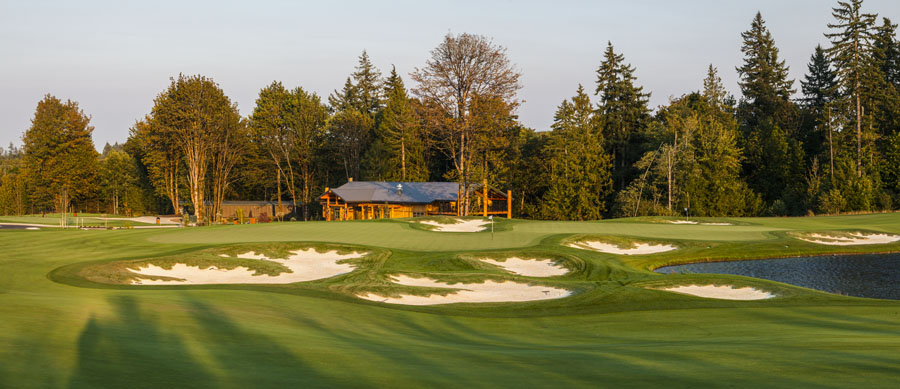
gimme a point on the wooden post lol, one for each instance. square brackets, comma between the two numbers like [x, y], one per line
[485, 199]
[509, 204]
[327, 206]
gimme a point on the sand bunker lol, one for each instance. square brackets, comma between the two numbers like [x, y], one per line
[853, 238]
[529, 267]
[693, 222]
[487, 292]
[721, 292]
[460, 225]
[638, 249]
[304, 265]
[141, 219]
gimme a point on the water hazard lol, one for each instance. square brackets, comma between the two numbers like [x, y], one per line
[869, 275]
[16, 227]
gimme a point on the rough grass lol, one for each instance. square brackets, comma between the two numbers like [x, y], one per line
[59, 329]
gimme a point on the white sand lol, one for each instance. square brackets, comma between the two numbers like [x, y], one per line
[141, 219]
[716, 224]
[529, 267]
[722, 292]
[854, 238]
[638, 249]
[460, 226]
[682, 222]
[304, 265]
[487, 292]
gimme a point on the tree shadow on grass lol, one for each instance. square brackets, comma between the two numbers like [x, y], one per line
[131, 351]
[251, 359]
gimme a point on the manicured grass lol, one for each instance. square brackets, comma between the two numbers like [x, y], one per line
[59, 329]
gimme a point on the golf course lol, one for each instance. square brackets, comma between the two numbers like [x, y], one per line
[403, 303]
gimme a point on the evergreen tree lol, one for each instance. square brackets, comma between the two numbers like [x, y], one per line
[398, 151]
[886, 99]
[819, 85]
[764, 78]
[579, 170]
[819, 89]
[851, 54]
[368, 85]
[887, 51]
[768, 121]
[345, 99]
[362, 91]
[623, 110]
[60, 161]
[352, 128]
[713, 90]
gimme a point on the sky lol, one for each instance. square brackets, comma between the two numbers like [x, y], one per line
[114, 57]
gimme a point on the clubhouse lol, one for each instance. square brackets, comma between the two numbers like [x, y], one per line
[365, 200]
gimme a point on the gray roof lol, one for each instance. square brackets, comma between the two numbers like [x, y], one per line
[244, 202]
[386, 192]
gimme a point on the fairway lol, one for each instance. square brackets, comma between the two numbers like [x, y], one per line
[69, 319]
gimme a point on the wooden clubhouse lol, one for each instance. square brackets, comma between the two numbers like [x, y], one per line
[364, 200]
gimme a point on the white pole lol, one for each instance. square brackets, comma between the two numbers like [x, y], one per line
[492, 226]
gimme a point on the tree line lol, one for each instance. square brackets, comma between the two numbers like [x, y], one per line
[833, 147]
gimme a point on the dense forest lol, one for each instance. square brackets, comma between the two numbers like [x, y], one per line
[832, 146]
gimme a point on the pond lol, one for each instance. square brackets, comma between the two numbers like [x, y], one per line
[869, 275]
[16, 227]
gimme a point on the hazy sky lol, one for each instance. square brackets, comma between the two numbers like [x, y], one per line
[114, 57]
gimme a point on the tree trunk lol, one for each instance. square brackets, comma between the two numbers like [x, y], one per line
[402, 159]
[831, 154]
[669, 175]
[278, 173]
[858, 134]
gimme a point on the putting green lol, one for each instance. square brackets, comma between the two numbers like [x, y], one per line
[58, 329]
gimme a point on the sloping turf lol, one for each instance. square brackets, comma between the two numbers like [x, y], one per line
[615, 333]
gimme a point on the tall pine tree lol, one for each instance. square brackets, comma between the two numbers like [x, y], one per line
[398, 151]
[851, 53]
[623, 110]
[819, 91]
[351, 129]
[774, 163]
[578, 167]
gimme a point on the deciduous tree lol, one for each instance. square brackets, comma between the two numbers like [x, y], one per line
[198, 115]
[60, 161]
[460, 68]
